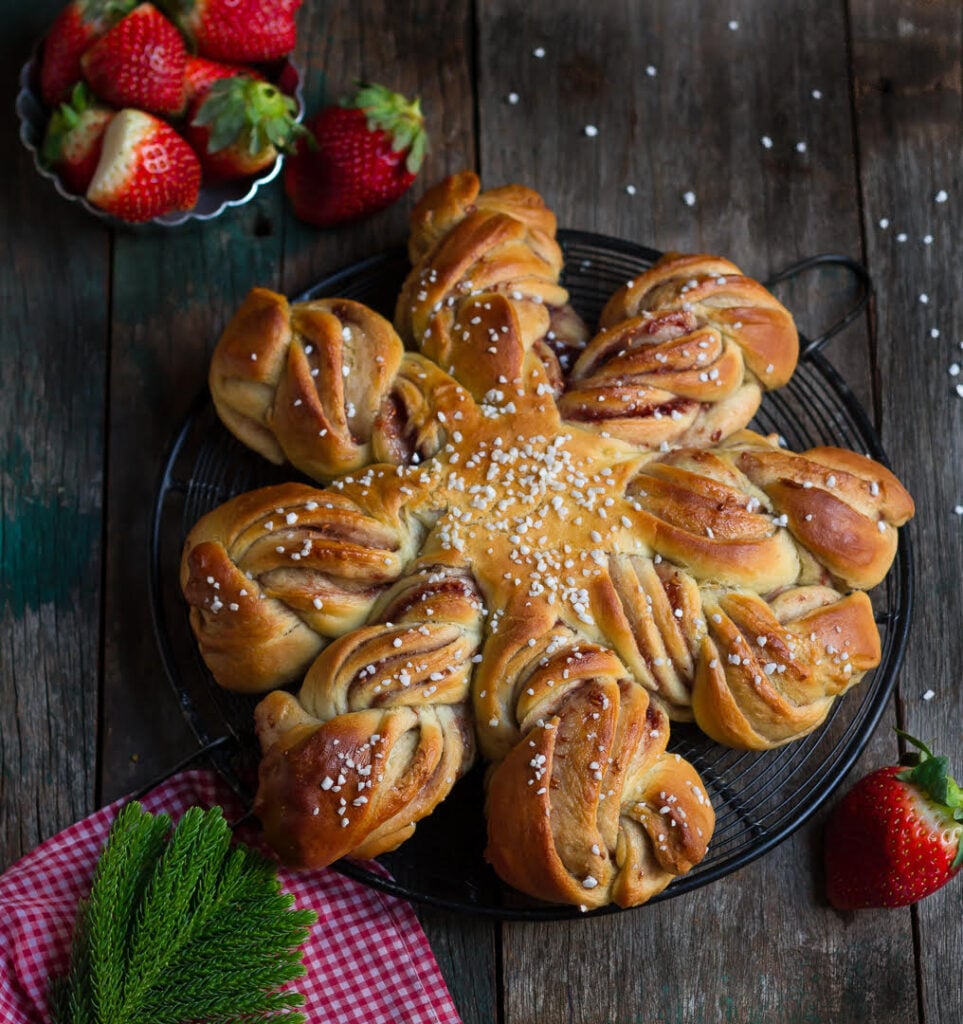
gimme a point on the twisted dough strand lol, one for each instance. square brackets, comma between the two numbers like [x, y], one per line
[273, 573]
[379, 732]
[587, 807]
[483, 298]
[682, 355]
[326, 385]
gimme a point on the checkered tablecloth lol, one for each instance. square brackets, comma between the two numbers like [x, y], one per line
[367, 959]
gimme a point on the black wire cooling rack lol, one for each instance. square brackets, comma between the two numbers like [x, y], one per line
[760, 798]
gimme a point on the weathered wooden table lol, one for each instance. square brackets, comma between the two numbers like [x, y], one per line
[800, 127]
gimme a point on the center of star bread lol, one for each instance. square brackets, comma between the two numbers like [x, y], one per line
[534, 506]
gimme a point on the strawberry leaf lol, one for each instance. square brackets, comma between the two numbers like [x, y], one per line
[393, 114]
[249, 113]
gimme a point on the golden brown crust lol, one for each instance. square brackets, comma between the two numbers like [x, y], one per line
[273, 573]
[763, 681]
[379, 732]
[326, 385]
[482, 298]
[682, 355]
[588, 807]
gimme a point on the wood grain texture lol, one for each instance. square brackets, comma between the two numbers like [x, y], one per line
[52, 382]
[906, 65]
[696, 126]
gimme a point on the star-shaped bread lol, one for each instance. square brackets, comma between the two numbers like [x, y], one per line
[533, 546]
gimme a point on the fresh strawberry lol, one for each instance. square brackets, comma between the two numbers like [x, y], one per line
[200, 74]
[75, 28]
[146, 169]
[74, 139]
[365, 155]
[895, 837]
[140, 63]
[237, 30]
[240, 125]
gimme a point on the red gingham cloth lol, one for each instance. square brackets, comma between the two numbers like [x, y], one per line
[367, 959]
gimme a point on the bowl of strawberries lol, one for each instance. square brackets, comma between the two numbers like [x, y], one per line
[163, 112]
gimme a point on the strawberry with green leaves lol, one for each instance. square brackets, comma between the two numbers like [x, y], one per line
[237, 30]
[365, 155]
[139, 63]
[146, 169]
[76, 27]
[200, 74]
[239, 125]
[895, 837]
[74, 138]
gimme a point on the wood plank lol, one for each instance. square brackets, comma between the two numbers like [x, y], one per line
[909, 104]
[52, 378]
[694, 125]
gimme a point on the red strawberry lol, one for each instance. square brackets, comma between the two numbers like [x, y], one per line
[78, 25]
[367, 153]
[200, 74]
[145, 170]
[895, 837]
[240, 125]
[237, 30]
[140, 63]
[75, 137]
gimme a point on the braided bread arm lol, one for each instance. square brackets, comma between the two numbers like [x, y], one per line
[683, 354]
[587, 807]
[739, 617]
[379, 732]
[483, 298]
[272, 574]
[304, 383]
[769, 671]
[326, 385]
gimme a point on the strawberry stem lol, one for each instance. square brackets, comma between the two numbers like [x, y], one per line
[252, 113]
[395, 115]
[930, 774]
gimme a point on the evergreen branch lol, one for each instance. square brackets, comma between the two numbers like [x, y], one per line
[182, 929]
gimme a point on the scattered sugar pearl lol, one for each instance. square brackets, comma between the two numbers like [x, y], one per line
[884, 222]
[589, 882]
[651, 70]
[591, 131]
[630, 189]
[958, 509]
[733, 25]
[766, 142]
[934, 332]
[902, 236]
[959, 390]
[927, 239]
[801, 147]
[539, 52]
[689, 198]
[512, 98]
[817, 94]
[954, 369]
[929, 695]
[941, 196]
[924, 298]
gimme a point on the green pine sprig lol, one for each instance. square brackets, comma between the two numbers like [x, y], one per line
[182, 927]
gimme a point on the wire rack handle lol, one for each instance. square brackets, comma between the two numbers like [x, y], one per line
[830, 259]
